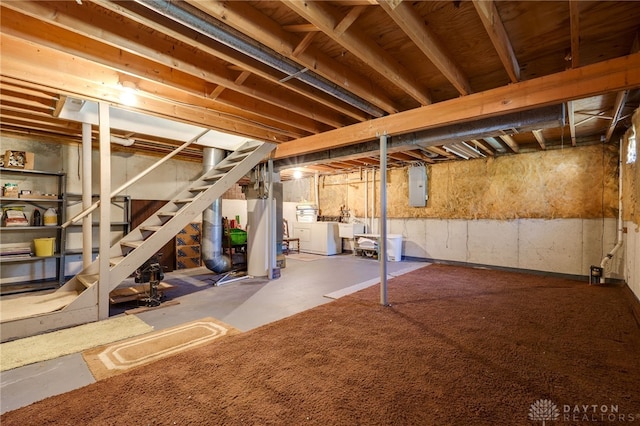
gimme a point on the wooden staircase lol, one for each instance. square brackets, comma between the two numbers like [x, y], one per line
[141, 243]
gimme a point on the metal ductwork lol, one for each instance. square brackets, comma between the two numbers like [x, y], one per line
[541, 118]
[193, 18]
[212, 229]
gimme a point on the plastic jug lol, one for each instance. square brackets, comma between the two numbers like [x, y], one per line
[50, 217]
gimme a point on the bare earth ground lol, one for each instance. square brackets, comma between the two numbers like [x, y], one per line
[457, 346]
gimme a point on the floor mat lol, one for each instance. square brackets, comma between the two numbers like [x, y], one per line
[305, 257]
[116, 358]
[71, 340]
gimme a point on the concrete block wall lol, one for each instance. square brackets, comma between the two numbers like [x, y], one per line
[562, 246]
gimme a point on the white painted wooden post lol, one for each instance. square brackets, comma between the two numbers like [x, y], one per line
[105, 210]
[87, 231]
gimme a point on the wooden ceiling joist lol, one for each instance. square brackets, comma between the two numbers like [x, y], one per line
[406, 18]
[495, 28]
[590, 80]
[251, 22]
[325, 18]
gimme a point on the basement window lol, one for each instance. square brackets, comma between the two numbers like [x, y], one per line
[632, 147]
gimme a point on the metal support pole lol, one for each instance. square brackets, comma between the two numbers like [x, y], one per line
[271, 232]
[382, 244]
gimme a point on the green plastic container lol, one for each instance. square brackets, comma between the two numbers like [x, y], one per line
[238, 236]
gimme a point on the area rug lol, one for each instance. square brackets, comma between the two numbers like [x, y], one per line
[457, 346]
[305, 257]
[70, 340]
[24, 306]
[116, 358]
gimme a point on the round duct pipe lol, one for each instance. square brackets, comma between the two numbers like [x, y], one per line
[212, 230]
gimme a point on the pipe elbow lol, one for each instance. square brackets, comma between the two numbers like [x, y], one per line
[218, 264]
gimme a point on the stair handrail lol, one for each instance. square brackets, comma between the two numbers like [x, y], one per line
[134, 179]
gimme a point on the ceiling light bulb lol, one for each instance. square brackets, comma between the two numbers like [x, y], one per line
[128, 95]
[297, 174]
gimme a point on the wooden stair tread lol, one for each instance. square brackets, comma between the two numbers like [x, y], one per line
[115, 260]
[200, 188]
[135, 292]
[133, 244]
[183, 200]
[88, 280]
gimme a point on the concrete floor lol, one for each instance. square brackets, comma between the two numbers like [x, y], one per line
[244, 304]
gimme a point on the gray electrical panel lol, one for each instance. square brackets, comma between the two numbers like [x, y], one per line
[418, 186]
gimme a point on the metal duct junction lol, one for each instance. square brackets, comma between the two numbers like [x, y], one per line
[212, 230]
[199, 21]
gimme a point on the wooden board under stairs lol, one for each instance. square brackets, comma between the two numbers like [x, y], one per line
[135, 292]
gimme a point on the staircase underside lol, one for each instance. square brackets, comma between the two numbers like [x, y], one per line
[76, 302]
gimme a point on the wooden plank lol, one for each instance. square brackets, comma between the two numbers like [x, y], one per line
[188, 71]
[323, 16]
[413, 25]
[591, 80]
[78, 77]
[136, 292]
[245, 18]
[495, 28]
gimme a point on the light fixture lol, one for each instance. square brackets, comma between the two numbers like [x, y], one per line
[297, 174]
[128, 94]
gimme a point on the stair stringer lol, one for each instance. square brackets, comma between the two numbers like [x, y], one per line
[183, 214]
[152, 234]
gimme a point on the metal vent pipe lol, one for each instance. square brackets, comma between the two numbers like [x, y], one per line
[212, 230]
[197, 20]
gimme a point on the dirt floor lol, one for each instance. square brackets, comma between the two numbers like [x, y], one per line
[457, 346]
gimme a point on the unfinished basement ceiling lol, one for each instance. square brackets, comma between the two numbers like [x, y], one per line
[448, 80]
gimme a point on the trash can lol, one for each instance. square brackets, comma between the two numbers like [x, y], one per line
[394, 247]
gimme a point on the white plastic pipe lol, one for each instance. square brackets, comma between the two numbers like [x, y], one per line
[366, 198]
[607, 259]
[122, 141]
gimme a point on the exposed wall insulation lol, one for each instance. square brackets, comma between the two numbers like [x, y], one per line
[568, 183]
[631, 179]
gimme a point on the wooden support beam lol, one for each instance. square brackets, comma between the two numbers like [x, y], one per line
[621, 100]
[574, 20]
[348, 19]
[495, 28]
[322, 15]
[302, 46]
[250, 21]
[508, 139]
[590, 80]
[540, 138]
[414, 27]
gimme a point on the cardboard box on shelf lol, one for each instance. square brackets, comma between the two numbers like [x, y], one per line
[10, 191]
[19, 160]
